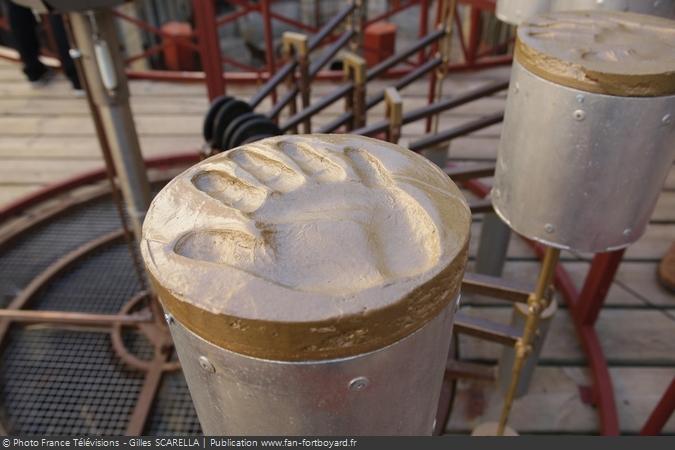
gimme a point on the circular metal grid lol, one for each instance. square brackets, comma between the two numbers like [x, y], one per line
[62, 382]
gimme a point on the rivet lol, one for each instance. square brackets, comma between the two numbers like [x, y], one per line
[74, 53]
[205, 364]
[579, 114]
[627, 231]
[667, 119]
[549, 228]
[358, 384]
[580, 98]
[169, 318]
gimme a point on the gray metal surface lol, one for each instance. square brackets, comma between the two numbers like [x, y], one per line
[663, 8]
[578, 170]
[516, 11]
[391, 391]
[495, 236]
[95, 31]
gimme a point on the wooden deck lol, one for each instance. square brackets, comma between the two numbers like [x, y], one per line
[46, 135]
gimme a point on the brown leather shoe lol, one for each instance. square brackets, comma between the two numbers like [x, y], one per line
[666, 272]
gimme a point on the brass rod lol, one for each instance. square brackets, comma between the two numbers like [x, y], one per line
[537, 302]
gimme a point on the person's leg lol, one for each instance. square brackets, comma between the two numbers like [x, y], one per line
[22, 22]
[61, 38]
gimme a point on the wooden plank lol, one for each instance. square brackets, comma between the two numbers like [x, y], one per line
[553, 405]
[9, 193]
[78, 126]
[627, 336]
[37, 106]
[639, 279]
[526, 272]
[27, 172]
[86, 147]
[665, 207]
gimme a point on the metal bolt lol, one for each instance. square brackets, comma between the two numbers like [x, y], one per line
[205, 364]
[579, 114]
[169, 318]
[549, 228]
[580, 98]
[358, 384]
[627, 232]
[74, 53]
[667, 119]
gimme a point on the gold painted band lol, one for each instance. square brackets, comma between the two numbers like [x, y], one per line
[340, 337]
[566, 74]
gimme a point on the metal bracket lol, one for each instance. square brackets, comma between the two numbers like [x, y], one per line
[355, 71]
[394, 113]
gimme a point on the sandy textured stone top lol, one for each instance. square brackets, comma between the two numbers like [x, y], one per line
[607, 52]
[307, 247]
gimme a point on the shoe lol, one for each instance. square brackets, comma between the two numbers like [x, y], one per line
[44, 79]
[666, 270]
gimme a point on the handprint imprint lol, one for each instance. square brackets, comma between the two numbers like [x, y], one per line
[328, 220]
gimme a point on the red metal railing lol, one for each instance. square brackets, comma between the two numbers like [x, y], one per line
[204, 40]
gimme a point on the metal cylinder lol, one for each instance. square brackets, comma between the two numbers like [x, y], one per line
[517, 11]
[310, 284]
[587, 141]
[661, 8]
[388, 391]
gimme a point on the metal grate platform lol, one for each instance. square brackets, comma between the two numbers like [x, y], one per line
[60, 381]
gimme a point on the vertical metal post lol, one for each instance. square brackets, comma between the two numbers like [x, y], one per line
[296, 44]
[96, 39]
[474, 35]
[494, 243]
[357, 22]
[424, 26]
[448, 14]
[269, 41]
[434, 74]
[394, 113]
[537, 303]
[355, 71]
[209, 47]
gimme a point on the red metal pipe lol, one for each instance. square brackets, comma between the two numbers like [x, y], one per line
[209, 46]
[474, 34]
[597, 284]
[661, 413]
